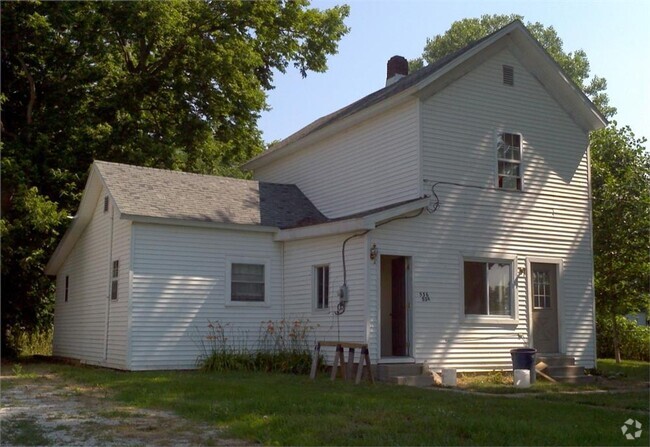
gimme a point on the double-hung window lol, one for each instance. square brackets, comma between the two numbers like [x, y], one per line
[321, 280]
[509, 161]
[488, 287]
[247, 283]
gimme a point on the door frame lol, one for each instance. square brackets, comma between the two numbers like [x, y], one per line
[559, 275]
[409, 307]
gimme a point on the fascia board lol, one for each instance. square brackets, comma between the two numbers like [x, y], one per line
[547, 71]
[84, 214]
[465, 57]
[326, 229]
[369, 222]
[377, 218]
[198, 223]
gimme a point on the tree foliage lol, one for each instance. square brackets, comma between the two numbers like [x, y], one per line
[176, 84]
[620, 177]
[575, 64]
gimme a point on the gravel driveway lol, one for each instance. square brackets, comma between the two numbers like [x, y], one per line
[40, 408]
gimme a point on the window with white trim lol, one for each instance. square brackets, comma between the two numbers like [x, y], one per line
[321, 286]
[488, 287]
[247, 283]
[115, 273]
[509, 161]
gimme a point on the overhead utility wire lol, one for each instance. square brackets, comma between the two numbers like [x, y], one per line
[432, 208]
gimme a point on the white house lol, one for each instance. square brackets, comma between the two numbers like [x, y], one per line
[457, 197]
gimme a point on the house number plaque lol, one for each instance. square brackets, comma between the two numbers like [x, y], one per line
[424, 296]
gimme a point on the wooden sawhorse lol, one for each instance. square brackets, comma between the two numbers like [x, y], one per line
[339, 360]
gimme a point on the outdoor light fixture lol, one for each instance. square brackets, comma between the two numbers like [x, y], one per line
[373, 253]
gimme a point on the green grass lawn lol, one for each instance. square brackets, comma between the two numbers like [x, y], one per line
[280, 409]
[629, 370]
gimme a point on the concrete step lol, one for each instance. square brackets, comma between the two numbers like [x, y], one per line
[556, 360]
[421, 380]
[575, 379]
[385, 371]
[565, 371]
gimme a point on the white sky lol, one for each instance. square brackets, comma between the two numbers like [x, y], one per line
[614, 34]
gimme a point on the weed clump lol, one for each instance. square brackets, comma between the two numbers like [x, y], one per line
[281, 346]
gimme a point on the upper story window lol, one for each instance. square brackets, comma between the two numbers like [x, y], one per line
[67, 288]
[509, 161]
[488, 287]
[321, 280]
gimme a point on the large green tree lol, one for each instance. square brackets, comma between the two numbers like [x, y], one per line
[175, 84]
[620, 178]
[621, 172]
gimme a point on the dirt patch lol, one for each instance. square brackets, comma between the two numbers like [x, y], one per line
[39, 408]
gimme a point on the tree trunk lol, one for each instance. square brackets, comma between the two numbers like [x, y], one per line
[617, 348]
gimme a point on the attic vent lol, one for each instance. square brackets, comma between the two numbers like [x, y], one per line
[508, 75]
[106, 204]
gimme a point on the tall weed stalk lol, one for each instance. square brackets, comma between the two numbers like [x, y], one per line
[281, 346]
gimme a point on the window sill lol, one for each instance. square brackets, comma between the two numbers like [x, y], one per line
[318, 311]
[489, 319]
[248, 304]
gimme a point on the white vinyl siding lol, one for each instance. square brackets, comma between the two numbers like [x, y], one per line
[81, 323]
[373, 164]
[299, 258]
[550, 219]
[118, 328]
[180, 283]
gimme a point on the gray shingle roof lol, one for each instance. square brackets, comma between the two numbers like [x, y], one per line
[162, 193]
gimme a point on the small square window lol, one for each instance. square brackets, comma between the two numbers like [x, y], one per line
[247, 283]
[321, 280]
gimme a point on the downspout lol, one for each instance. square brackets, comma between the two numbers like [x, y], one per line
[110, 280]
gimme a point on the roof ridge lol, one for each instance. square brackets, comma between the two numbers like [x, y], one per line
[379, 95]
[180, 172]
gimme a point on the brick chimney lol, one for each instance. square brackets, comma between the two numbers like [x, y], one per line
[396, 68]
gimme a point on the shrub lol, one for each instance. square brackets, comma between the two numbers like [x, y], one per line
[282, 346]
[634, 340]
[25, 344]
